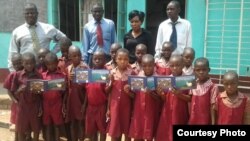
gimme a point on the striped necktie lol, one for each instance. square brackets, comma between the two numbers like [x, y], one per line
[34, 37]
[173, 37]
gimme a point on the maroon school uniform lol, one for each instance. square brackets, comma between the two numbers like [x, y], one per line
[53, 101]
[96, 108]
[28, 104]
[120, 104]
[75, 96]
[231, 112]
[110, 65]
[145, 115]
[202, 99]
[63, 63]
[174, 112]
[41, 69]
[162, 67]
[8, 84]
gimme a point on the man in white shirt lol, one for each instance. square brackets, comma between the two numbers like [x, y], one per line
[22, 40]
[182, 27]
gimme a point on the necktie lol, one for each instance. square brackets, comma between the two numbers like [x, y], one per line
[35, 40]
[173, 37]
[99, 35]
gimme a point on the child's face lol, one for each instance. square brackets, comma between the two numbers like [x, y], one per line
[51, 65]
[230, 84]
[113, 51]
[148, 67]
[201, 71]
[176, 66]
[188, 58]
[166, 51]
[17, 63]
[41, 56]
[122, 60]
[29, 64]
[139, 52]
[64, 51]
[98, 60]
[75, 57]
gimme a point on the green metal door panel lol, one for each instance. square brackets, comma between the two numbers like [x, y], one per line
[121, 19]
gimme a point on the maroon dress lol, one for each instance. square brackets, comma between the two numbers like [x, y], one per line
[162, 67]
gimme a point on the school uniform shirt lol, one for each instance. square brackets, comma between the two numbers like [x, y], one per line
[203, 97]
[188, 71]
[110, 65]
[41, 68]
[53, 100]
[145, 115]
[63, 63]
[28, 104]
[21, 40]
[231, 112]
[162, 67]
[89, 43]
[120, 104]
[75, 96]
[136, 67]
[184, 35]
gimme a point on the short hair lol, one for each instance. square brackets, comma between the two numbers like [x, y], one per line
[231, 73]
[46, 50]
[30, 5]
[189, 49]
[143, 46]
[16, 55]
[178, 56]
[65, 41]
[99, 51]
[51, 57]
[202, 60]
[97, 5]
[148, 57]
[28, 55]
[176, 3]
[118, 45]
[123, 50]
[168, 43]
[135, 13]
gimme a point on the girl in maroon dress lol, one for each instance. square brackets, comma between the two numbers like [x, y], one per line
[203, 97]
[140, 50]
[146, 106]
[113, 49]
[175, 108]
[76, 96]
[231, 107]
[162, 64]
[188, 58]
[120, 104]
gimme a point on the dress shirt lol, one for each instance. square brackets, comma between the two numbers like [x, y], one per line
[21, 40]
[90, 44]
[184, 35]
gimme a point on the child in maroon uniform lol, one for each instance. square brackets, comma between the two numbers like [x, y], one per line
[113, 49]
[146, 106]
[175, 108]
[120, 104]
[96, 102]
[188, 58]
[41, 67]
[232, 107]
[8, 84]
[76, 95]
[140, 50]
[52, 100]
[162, 64]
[64, 61]
[203, 97]
[29, 101]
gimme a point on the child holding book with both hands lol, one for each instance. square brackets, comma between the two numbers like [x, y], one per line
[120, 103]
[146, 105]
[8, 84]
[231, 107]
[203, 97]
[175, 108]
[96, 102]
[53, 100]
[29, 99]
[140, 50]
[76, 95]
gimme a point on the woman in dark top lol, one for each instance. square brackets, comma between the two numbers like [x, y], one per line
[137, 35]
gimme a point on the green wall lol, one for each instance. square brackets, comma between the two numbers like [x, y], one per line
[196, 14]
[4, 49]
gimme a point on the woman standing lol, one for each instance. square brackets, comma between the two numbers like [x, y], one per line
[137, 35]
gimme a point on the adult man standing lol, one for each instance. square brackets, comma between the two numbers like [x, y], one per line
[32, 35]
[175, 29]
[98, 33]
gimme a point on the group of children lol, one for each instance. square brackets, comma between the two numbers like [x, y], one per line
[113, 108]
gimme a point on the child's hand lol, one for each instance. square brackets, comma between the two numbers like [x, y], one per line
[126, 88]
[108, 116]
[21, 89]
[40, 112]
[159, 91]
[175, 91]
[111, 80]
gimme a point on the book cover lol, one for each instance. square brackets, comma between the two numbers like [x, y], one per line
[37, 85]
[185, 82]
[164, 82]
[137, 83]
[151, 85]
[82, 75]
[99, 76]
[56, 84]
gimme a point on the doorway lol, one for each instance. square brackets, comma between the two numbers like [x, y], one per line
[156, 13]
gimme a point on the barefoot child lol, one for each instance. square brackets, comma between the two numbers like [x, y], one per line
[113, 49]
[140, 50]
[188, 58]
